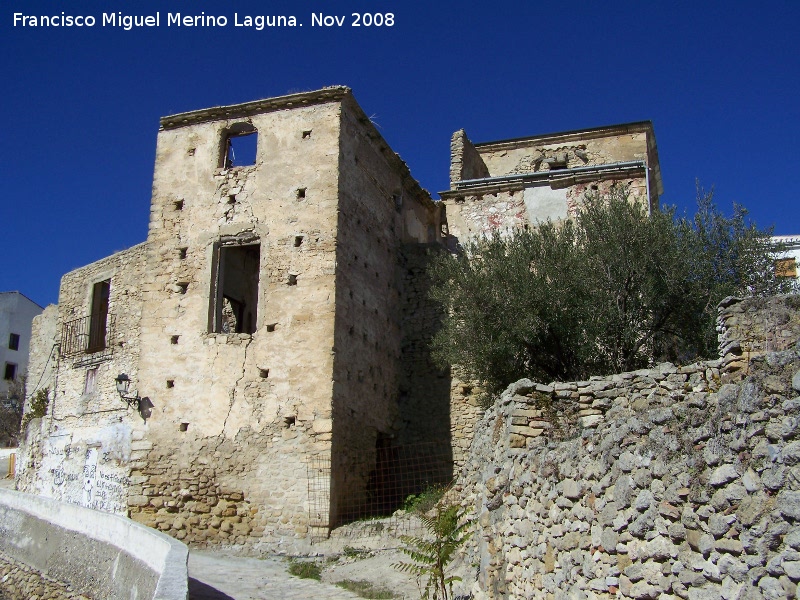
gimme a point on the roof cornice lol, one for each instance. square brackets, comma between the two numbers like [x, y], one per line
[238, 111]
[568, 136]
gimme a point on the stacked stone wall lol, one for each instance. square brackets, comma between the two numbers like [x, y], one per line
[670, 482]
[210, 491]
[754, 326]
[18, 581]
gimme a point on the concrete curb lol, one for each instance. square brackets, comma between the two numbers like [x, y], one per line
[111, 555]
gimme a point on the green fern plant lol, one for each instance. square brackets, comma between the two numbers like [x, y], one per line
[447, 531]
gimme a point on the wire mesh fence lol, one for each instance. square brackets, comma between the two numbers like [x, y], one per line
[406, 481]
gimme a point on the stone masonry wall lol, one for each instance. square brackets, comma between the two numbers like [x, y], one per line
[79, 451]
[18, 581]
[670, 482]
[237, 414]
[756, 325]
[381, 208]
[465, 162]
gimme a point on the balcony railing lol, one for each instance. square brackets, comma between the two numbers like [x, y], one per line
[88, 335]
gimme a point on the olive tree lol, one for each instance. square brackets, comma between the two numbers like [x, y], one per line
[611, 290]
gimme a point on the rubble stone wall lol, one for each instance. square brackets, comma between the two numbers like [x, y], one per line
[670, 482]
[381, 210]
[79, 451]
[237, 413]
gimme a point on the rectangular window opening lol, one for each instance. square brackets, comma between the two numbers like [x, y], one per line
[240, 146]
[98, 319]
[10, 373]
[13, 341]
[235, 289]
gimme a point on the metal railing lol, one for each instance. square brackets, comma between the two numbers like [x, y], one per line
[88, 335]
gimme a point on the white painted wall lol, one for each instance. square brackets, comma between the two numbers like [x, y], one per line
[16, 314]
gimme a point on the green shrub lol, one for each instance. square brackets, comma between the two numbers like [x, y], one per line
[365, 589]
[305, 569]
[447, 531]
[37, 407]
[425, 500]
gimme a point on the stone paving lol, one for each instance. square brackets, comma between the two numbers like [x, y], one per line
[217, 576]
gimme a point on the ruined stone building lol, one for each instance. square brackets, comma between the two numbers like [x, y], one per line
[273, 325]
[502, 185]
[511, 183]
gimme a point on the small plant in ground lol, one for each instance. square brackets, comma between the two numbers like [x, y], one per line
[446, 532]
[365, 589]
[351, 552]
[305, 569]
[425, 500]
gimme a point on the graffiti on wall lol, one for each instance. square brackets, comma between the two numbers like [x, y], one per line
[90, 472]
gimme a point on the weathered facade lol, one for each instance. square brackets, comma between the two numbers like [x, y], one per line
[497, 186]
[274, 324]
[504, 185]
[260, 323]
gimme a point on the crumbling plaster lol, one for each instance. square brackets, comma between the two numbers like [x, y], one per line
[337, 363]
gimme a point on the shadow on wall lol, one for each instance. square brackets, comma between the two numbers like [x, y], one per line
[391, 404]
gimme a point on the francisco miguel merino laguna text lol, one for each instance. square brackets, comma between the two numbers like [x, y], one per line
[258, 22]
[128, 22]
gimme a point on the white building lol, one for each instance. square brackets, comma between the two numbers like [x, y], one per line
[16, 313]
[786, 264]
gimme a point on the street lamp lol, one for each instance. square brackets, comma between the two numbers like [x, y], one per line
[123, 383]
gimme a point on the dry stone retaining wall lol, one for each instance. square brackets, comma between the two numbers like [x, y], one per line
[671, 482]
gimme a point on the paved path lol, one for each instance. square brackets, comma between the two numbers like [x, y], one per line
[217, 576]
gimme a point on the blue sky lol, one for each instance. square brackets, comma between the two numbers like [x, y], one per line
[80, 106]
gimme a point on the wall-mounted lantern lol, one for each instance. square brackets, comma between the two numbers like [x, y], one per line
[123, 383]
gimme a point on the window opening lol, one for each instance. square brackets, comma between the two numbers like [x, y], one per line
[184, 427]
[240, 146]
[90, 383]
[99, 316]
[235, 289]
[10, 372]
[13, 341]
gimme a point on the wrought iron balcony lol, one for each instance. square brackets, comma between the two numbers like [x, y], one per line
[88, 335]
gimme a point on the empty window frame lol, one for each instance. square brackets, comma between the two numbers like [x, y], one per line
[98, 318]
[240, 145]
[10, 372]
[234, 287]
[13, 341]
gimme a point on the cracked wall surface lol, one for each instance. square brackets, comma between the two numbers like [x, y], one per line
[235, 414]
[516, 183]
